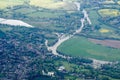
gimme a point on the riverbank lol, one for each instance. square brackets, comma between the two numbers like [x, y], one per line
[65, 37]
[14, 22]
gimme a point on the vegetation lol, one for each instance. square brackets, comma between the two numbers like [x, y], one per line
[51, 4]
[24, 55]
[10, 3]
[85, 48]
[104, 30]
[109, 12]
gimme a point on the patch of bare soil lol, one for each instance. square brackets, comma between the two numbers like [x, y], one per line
[109, 43]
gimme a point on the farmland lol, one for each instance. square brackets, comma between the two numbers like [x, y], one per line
[26, 55]
[10, 3]
[109, 12]
[108, 43]
[52, 4]
[103, 30]
[47, 4]
[85, 48]
[108, 2]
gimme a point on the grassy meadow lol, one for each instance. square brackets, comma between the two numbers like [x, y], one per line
[10, 3]
[108, 2]
[109, 12]
[85, 48]
[42, 14]
[105, 29]
[47, 4]
[40, 3]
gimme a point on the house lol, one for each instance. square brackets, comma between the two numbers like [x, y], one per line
[61, 68]
[51, 74]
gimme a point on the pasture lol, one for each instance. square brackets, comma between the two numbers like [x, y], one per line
[50, 4]
[10, 3]
[103, 30]
[109, 12]
[85, 48]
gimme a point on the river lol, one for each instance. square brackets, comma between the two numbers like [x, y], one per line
[65, 37]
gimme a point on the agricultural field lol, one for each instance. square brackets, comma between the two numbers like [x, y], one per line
[85, 48]
[109, 12]
[103, 30]
[100, 28]
[10, 3]
[108, 2]
[25, 10]
[52, 4]
[109, 43]
[94, 17]
[42, 14]
[47, 4]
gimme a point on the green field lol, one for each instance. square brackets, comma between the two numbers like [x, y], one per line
[52, 4]
[48, 4]
[85, 48]
[105, 29]
[93, 15]
[109, 12]
[45, 14]
[10, 3]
